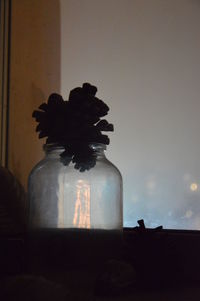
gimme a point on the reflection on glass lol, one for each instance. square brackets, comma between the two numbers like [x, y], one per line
[82, 206]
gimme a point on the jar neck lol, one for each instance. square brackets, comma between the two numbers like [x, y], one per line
[98, 149]
[54, 150]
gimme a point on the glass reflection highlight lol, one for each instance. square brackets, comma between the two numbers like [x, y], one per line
[82, 206]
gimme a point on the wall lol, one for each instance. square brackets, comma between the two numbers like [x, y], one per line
[34, 74]
[144, 58]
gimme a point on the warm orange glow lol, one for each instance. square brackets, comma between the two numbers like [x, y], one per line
[193, 187]
[82, 206]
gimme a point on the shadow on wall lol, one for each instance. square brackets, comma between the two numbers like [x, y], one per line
[34, 74]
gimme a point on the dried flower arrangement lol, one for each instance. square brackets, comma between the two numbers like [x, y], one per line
[74, 124]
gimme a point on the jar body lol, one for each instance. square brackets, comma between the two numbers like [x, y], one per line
[75, 217]
[61, 197]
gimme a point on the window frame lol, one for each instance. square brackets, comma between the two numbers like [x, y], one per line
[5, 21]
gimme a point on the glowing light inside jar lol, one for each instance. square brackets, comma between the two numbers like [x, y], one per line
[82, 206]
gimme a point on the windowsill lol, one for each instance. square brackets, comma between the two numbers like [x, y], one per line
[186, 244]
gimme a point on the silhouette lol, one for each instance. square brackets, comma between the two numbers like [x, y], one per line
[74, 124]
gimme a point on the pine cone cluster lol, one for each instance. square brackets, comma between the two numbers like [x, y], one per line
[74, 124]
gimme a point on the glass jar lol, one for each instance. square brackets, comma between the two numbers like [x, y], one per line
[85, 207]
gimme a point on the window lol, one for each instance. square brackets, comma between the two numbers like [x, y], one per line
[144, 58]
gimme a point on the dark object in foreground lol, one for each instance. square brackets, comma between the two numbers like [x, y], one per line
[154, 255]
[74, 124]
[150, 261]
[115, 277]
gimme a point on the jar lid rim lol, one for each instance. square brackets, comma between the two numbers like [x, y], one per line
[56, 146]
[49, 146]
